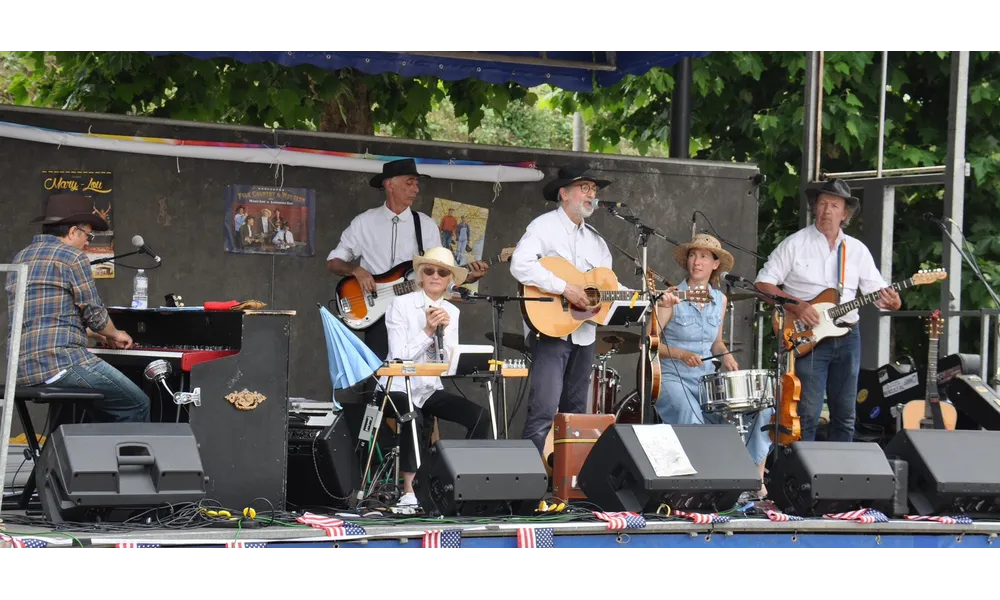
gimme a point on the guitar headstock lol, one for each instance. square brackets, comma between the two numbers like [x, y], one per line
[924, 277]
[935, 325]
[700, 294]
[651, 281]
[506, 253]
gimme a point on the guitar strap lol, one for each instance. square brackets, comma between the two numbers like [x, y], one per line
[841, 268]
[416, 227]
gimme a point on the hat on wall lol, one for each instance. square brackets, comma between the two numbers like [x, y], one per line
[71, 209]
[441, 257]
[570, 175]
[396, 168]
[704, 241]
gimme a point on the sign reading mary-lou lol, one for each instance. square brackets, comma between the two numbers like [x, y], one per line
[270, 220]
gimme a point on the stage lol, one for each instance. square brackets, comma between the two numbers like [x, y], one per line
[568, 531]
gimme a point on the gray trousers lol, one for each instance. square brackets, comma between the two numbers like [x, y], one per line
[560, 382]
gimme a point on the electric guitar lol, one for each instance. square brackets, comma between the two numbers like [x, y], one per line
[359, 309]
[805, 337]
[560, 318]
[931, 413]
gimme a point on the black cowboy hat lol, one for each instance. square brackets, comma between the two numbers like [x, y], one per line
[404, 166]
[834, 187]
[71, 209]
[568, 175]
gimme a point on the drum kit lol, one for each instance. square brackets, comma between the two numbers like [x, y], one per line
[735, 396]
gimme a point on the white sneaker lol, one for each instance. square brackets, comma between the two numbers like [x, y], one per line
[408, 500]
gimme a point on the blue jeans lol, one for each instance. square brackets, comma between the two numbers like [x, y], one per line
[831, 369]
[123, 401]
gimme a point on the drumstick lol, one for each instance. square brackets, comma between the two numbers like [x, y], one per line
[714, 356]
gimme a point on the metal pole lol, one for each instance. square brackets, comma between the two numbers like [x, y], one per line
[680, 110]
[13, 355]
[579, 132]
[984, 345]
[881, 111]
[808, 172]
[954, 195]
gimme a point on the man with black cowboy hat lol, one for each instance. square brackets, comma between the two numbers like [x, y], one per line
[808, 262]
[62, 309]
[561, 367]
[385, 236]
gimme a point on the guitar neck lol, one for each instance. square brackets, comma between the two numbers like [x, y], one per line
[931, 393]
[401, 289]
[618, 295]
[842, 309]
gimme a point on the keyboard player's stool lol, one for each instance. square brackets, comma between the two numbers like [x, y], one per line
[60, 400]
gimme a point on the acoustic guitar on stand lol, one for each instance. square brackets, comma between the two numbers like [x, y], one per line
[805, 337]
[559, 318]
[931, 413]
[359, 309]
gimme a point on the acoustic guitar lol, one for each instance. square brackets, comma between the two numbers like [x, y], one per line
[559, 318]
[931, 413]
[805, 337]
[359, 309]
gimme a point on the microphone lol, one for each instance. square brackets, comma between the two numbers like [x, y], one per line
[138, 242]
[694, 224]
[464, 292]
[935, 219]
[439, 334]
[608, 204]
[726, 275]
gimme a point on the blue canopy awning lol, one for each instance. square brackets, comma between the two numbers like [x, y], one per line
[572, 71]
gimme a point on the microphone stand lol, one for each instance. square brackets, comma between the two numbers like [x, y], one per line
[643, 232]
[111, 258]
[498, 305]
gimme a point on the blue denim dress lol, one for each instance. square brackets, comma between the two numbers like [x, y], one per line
[695, 330]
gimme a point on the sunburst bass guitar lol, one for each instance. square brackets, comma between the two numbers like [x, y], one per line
[359, 309]
[805, 337]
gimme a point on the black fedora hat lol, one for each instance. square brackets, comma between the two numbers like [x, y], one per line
[71, 209]
[568, 175]
[834, 187]
[403, 166]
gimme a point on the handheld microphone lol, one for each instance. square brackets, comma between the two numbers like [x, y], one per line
[439, 334]
[608, 204]
[138, 242]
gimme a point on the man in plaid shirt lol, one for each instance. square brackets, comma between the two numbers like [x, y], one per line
[62, 309]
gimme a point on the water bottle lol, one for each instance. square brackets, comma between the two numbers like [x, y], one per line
[140, 290]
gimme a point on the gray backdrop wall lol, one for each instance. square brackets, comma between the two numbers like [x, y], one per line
[177, 205]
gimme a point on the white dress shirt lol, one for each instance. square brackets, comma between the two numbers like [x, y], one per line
[405, 321]
[380, 243]
[805, 266]
[554, 234]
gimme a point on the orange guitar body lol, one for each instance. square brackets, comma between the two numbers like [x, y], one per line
[786, 426]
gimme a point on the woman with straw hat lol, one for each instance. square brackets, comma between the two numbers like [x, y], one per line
[412, 321]
[693, 331]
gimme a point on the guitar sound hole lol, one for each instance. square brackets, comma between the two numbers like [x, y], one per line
[593, 297]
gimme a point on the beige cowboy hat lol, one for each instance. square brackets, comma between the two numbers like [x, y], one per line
[704, 242]
[441, 257]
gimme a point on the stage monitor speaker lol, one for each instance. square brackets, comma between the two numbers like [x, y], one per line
[618, 475]
[950, 472]
[974, 400]
[111, 471]
[815, 478]
[481, 478]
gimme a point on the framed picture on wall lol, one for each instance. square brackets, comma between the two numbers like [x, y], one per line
[269, 220]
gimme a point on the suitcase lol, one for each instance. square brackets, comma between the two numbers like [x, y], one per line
[573, 437]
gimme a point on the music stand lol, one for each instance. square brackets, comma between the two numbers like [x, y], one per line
[475, 361]
[623, 313]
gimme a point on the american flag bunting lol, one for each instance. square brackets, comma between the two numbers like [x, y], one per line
[862, 515]
[535, 537]
[622, 520]
[318, 520]
[779, 517]
[959, 520]
[246, 544]
[18, 542]
[135, 545]
[702, 518]
[344, 530]
[449, 538]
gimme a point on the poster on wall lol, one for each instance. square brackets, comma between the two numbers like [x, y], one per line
[270, 220]
[99, 187]
[463, 231]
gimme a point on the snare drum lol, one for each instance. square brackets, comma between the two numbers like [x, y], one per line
[734, 392]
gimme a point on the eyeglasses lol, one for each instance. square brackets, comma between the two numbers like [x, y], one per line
[586, 188]
[428, 271]
[91, 236]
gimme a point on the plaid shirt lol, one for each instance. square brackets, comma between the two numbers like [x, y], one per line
[60, 302]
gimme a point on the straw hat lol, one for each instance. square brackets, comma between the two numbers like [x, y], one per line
[704, 242]
[441, 257]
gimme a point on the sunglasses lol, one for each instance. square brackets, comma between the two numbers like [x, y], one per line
[91, 236]
[428, 271]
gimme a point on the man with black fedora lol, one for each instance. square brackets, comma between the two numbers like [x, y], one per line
[383, 237]
[808, 262]
[561, 367]
[62, 309]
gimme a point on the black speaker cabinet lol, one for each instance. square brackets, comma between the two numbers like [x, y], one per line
[618, 475]
[118, 468]
[481, 478]
[814, 478]
[323, 468]
[950, 471]
[975, 400]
